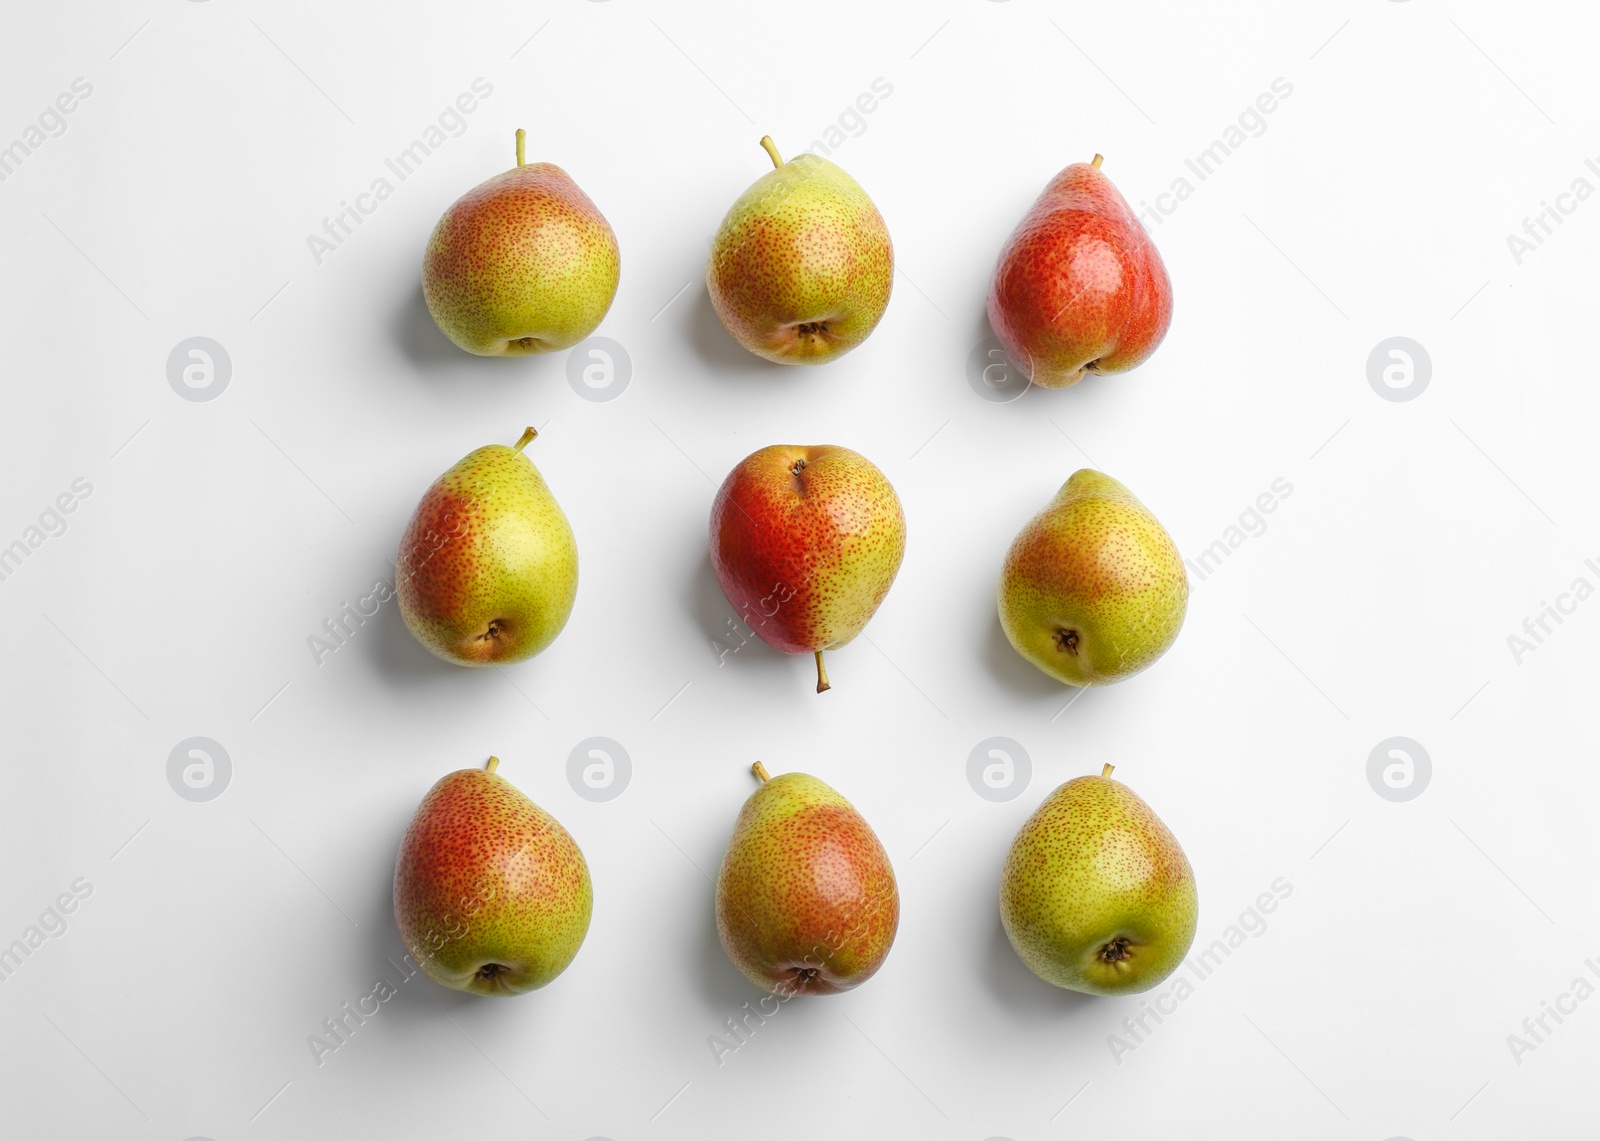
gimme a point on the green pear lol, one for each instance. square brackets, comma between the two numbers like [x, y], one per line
[1096, 895]
[491, 894]
[488, 567]
[523, 263]
[1093, 589]
[801, 268]
[806, 899]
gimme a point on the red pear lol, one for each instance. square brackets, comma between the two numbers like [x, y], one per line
[1080, 287]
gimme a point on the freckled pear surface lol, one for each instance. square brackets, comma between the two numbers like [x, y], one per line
[524, 263]
[806, 542]
[801, 269]
[491, 894]
[806, 898]
[1093, 589]
[1096, 894]
[488, 567]
[1079, 287]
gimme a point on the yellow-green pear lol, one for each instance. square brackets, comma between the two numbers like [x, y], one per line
[1093, 590]
[1096, 895]
[488, 568]
[801, 269]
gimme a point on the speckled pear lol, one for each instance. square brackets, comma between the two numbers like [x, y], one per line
[1093, 589]
[488, 567]
[524, 263]
[491, 894]
[806, 542]
[1079, 288]
[1097, 895]
[801, 269]
[806, 900]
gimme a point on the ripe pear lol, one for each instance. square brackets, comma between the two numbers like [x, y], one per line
[1079, 287]
[1093, 589]
[491, 894]
[801, 268]
[806, 542]
[523, 263]
[806, 899]
[488, 567]
[1096, 895]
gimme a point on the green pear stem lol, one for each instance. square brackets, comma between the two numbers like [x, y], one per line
[522, 137]
[527, 436]
[1105, 773]
[494, 763]
[760, 770]
[772, 149]
[822, 675]
[1094, 162]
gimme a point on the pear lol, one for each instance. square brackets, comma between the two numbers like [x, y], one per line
[488, 567]
[1079, 287]
[1093, 589]
[806, 899]
[806, 542]
[523, 263]
[491, 894]
[1096, 895]
[801, 268]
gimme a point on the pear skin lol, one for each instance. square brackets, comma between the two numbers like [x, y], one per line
[1093, 590]
[523, 263]
[806, 900]
[801, 268]
[806, 542]
[488, 567]
[1079, 287]
[1097, 895]
[491, 894]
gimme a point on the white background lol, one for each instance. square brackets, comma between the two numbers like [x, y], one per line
[220, 534]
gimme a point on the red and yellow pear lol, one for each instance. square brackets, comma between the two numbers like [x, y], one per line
[806, 542]
[491, 894]
[523, 263]
[806, 899]
[1079, 287]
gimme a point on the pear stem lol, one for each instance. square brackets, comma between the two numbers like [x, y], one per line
[772, 149]
[494, 763]
[522, 137]
[1096, 161]
[527, 436]
[760, 770]
[822, 675]
[1105, 773]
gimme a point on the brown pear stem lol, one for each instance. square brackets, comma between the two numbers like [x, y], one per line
[772, 149]
[522, 137]
[1096, 161]
[527, 436]
[1105, 773]
[494, 763]
[822, 675]
[760, 770]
